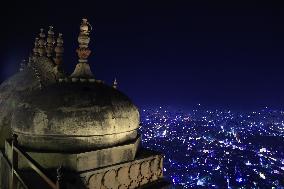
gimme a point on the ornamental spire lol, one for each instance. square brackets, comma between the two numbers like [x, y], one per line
[59, 50]
[58, 59]
[115, 84]
[23, 65]
[42, 43]
[82, 71]
[36, 47]
[50, 42]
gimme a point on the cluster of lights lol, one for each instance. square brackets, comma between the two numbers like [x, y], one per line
[218, 149]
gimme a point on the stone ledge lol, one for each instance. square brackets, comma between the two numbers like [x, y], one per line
[81, 161]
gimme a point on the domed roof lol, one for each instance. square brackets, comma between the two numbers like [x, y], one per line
[75, 116]
[51, 111]
[67, 116]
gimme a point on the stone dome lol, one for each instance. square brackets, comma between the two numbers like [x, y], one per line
[68, 116]
[50, 111]
[75, 116]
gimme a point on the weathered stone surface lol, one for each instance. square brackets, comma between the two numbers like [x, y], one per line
[109, 179]
[75, 117]
[95, 181]
[80, 161]
[37, 75]
[82, 70]
[134, 174]
[123, 177]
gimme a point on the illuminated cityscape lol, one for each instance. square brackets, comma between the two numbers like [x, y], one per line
[218, 149]
[82, 82]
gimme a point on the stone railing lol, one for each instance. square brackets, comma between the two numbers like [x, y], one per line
[128, 175]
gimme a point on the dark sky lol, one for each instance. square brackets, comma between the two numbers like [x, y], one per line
[226, 54]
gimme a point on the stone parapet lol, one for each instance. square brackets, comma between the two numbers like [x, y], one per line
[145, 169]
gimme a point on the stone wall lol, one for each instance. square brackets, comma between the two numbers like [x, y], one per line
[128, 175]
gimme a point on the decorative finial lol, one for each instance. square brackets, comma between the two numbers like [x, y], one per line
[36, 47]
[23, 65]
[82, 70]
[30, 60]
[41, 42]
[115, 84]
[58, 59]
[50, 42]
[83, 39]
[59, 50]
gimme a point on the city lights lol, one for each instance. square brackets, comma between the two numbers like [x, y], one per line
[218, 149]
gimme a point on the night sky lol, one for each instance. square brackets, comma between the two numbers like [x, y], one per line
[219, 54]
